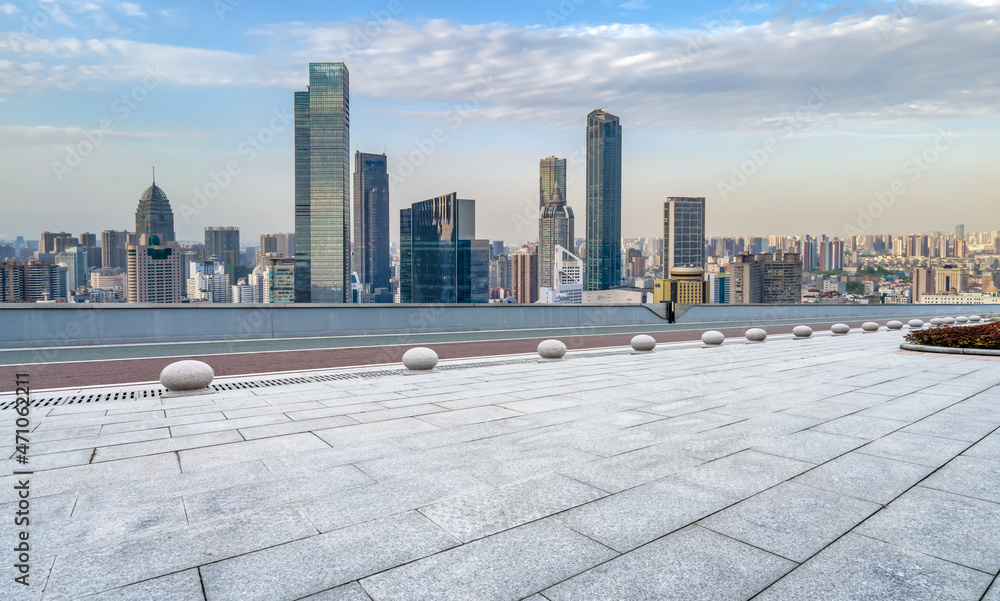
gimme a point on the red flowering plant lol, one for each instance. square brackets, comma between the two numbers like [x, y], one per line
[982, 336]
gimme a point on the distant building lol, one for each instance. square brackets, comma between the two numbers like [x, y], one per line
[951, 280]
[75, 261]
[323, 186]
[153, 216]
[447, 264]
[524, 275]
[32, 282]
[244, 293]
[962, 298]
[370, 258]
[683, 233]
[551, 177]
[686, 285]
[209, 281]
[923, 283]
[766, 278]
[567, 279]
[555, 228]
[224, 244]
[604, 201]
[47, 242]
[279, 280]
[500, 275]
[405, 288]
[114, 245]
[154, 271]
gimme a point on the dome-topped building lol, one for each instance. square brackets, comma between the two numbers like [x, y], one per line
[154, 216]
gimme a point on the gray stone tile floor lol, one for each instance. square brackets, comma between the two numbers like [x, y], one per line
[834, 468]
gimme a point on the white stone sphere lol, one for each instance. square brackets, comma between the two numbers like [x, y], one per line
[937, 321]
[187, 375]
[643, 343]
[962, 319]
[870, 326]
[756, 335]
[840, 328]
[551, 349]
[975, 318]
[713, 338]
[916, 323]
[894, 325]
[420, 359]
[949, 321]
[802, 331]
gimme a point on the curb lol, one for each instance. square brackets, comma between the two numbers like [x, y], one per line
[949, 351]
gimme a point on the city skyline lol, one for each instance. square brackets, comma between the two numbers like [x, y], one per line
[837, 136]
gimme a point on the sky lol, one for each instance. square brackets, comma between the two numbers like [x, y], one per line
[790, 118]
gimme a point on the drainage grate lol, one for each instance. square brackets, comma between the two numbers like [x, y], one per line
[155, 392]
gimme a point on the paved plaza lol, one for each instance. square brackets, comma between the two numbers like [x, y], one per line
[827, 469]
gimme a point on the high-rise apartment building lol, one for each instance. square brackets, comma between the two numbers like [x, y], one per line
[322, 186]
[208, 281]
[114, 246]
[31, 282]
[223, 243]
[153, 216]
[766, 278]
[922, 284]
[524, 275]
[551, 177]
[447, 264]
[370, 259]
[154, 271]
[500, 277]
[604, 201]
[47, 242]
[683, 233]
[555, 228]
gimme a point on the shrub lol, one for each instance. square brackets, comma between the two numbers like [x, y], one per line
[982, 336]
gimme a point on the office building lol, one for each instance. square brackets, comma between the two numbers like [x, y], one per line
[209, 281]
[405, 290]
[604, 201]
[447, 264]
[951, 279]
[153, 216]
[683, 233]
[960, 232]
[75, 261]
[223, 243]
[279, 280]
[555, 228]
[686, 285]
[154, 271]
[322, 186]
[370, 259]
[524, 275]
[567, 285]
[500, 276]
[551, 177]
[766, 278]
[114, 245]
[243, 293]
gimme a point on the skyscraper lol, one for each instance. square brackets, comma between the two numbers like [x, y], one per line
[405, 256]
[524, 280]
[224, 244]
[371, 221]
[551, 177]
[47, 242]
[154, 271]
[447, 263]
[604, 201]
[683, 233]
[960, 232]
[555, 228]
[153, 216]
[766, 278]
[322, 187]
[114, 249]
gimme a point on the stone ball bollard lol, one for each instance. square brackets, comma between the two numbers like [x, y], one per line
[756, 335]
[420, 359]
[937, 321]
[895, 325]
[975, 318]
[840, 329]
[713, 338]
[916, 323]
[870, 327]
[949, 321]
[643, 343]
[187, 375]
[551, 350]
[962, 319]
[802, 331]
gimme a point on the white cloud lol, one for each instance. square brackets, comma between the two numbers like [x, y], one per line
[130, 9]
[9, 9]
[44, 135]
[635, 5]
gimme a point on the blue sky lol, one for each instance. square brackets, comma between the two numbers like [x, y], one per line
[788, 117]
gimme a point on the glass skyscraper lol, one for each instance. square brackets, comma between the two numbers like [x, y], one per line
[555, 228]
[604, 201]
[444, 261]
[551, 177]
[683, 233]
[371, 221]
[322, 186]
